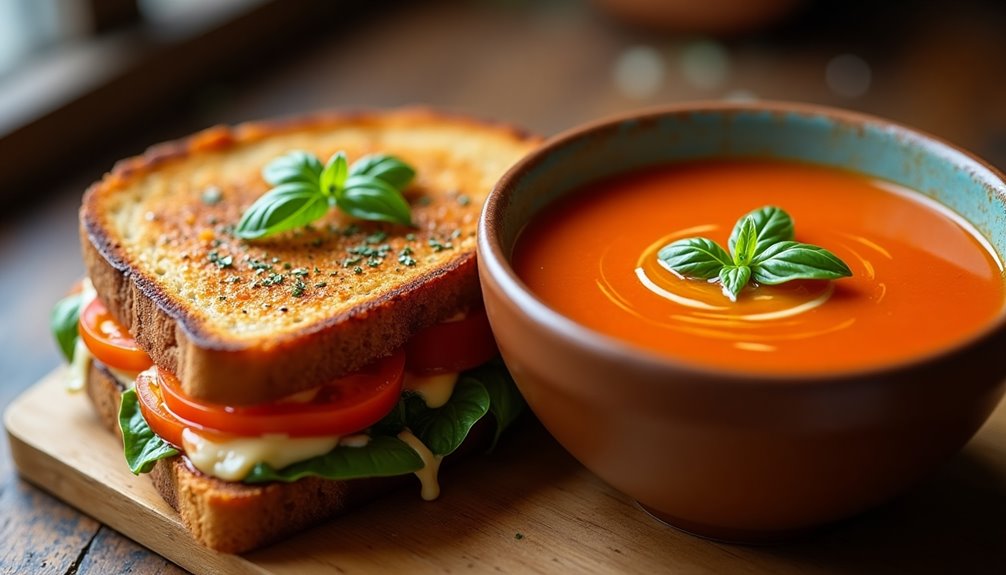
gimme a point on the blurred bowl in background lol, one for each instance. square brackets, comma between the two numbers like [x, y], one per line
[718, 17]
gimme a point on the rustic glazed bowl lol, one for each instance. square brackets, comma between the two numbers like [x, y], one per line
[721, 454]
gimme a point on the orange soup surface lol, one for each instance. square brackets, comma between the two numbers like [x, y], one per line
[922, 277]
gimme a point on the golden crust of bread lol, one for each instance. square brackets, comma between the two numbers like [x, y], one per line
[162, 257]
[235, 517]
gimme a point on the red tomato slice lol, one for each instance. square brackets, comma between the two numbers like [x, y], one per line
[109, 341]
[346, 405]
[452, 345]
[161, 421]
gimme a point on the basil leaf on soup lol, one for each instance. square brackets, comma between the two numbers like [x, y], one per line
[390, 169]
[761, 248]
[699, 258]
[788, 261]
[444, 428]
[142, 447]
[383, 456]
[293, 167]
[733, 280]
[772, 225]
[370, 198]
[285, 207]
[505, 402]
[63, 323]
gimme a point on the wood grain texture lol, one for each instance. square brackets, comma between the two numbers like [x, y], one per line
[49, 537]
[528, 508]
[108, 552]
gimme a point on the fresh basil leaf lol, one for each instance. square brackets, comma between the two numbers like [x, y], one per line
[369, 198]
[788, 261]
[393, 171]
[747, 240]
[733, 279]
[333, 177]
[505, 402]
[293, 167]
[395, 421]
[699, 258]
[383, 456]
[63, 322]
[772, 225]
[443, 429]
[285, 207]
[142, 447]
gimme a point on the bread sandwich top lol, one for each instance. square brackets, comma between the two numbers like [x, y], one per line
[242, 322]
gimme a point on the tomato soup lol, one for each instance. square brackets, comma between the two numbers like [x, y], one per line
[922, 278]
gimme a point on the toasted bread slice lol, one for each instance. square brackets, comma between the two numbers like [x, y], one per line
[245, 322]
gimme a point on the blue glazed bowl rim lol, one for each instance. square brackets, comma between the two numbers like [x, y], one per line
[494, 262]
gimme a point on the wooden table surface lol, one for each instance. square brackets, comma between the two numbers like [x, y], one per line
[546, 66]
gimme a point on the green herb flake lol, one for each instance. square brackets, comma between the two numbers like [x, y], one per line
[464, 200]
[376, 237]
[211, 196]
[405, 257]
[320, 284]
[270, 280]
[259, 265]
[300, 272]
[298, 288]
[518, 536]
[222, 262]
[410, 237]
[357, 270]
[439, 246]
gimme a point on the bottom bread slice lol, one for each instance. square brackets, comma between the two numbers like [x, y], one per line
[235, 517]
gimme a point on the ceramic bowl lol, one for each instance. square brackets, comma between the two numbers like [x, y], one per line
[726, 455]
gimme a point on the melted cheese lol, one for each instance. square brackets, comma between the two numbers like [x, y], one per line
[435, 389]
[126, 379]
[431, 465]
[232, 460]
[76, 376]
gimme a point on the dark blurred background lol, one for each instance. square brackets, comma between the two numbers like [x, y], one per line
[85, 82]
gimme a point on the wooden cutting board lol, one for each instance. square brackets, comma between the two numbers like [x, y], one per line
[528, 507]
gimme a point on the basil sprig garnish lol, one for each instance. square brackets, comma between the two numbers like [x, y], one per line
[63, 323]
[304, 190]
[761, 249]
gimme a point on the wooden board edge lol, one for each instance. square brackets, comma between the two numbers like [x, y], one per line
[103, 503]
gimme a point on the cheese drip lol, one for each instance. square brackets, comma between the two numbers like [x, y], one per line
[431, 466]
[76, 376]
